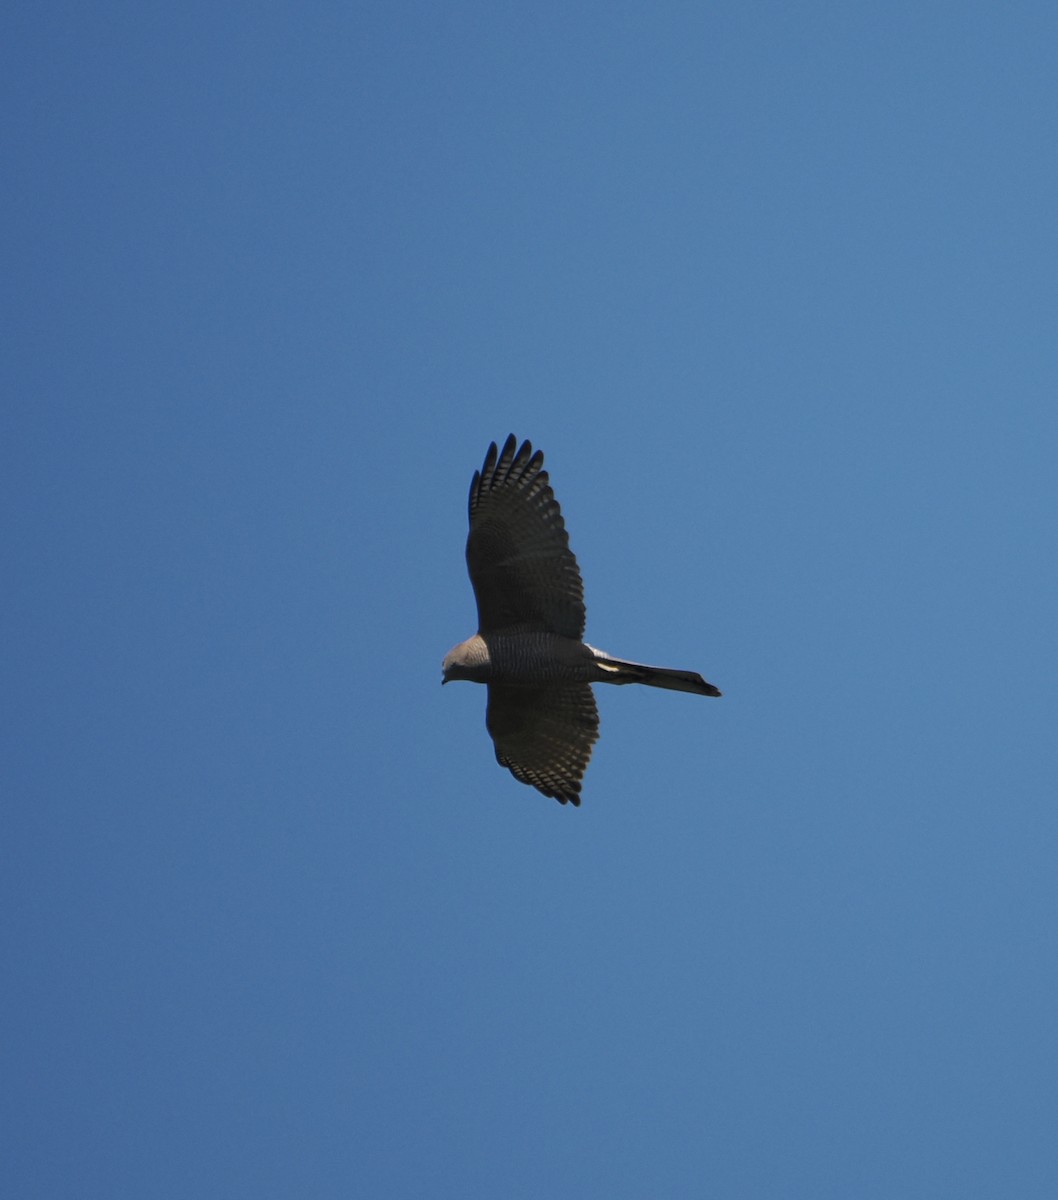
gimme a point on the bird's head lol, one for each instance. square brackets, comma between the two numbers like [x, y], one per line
[468, 660]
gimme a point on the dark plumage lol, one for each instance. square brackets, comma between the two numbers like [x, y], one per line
[541, 713]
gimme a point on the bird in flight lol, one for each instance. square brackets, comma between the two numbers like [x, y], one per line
[529, 648]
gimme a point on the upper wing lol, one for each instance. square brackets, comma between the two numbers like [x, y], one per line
[544, 735]
[522, 569]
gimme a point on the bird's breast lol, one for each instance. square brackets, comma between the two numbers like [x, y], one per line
[538, 658]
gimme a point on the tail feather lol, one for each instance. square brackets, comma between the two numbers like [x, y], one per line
[619, 671]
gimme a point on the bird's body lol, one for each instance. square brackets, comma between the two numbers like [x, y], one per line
[534, 658]
[529, 649]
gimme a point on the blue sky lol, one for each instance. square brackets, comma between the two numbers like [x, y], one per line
[775, 288]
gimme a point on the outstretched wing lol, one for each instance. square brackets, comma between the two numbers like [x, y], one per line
[522, 569]
[544, 735]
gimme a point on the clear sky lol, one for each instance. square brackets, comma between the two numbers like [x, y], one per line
[775, 288]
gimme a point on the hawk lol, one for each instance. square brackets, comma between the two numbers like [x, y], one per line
[529, 648]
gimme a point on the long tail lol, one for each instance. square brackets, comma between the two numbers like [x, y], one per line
[619, 671]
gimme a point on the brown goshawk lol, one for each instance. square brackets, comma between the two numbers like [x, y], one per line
[529, 650]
